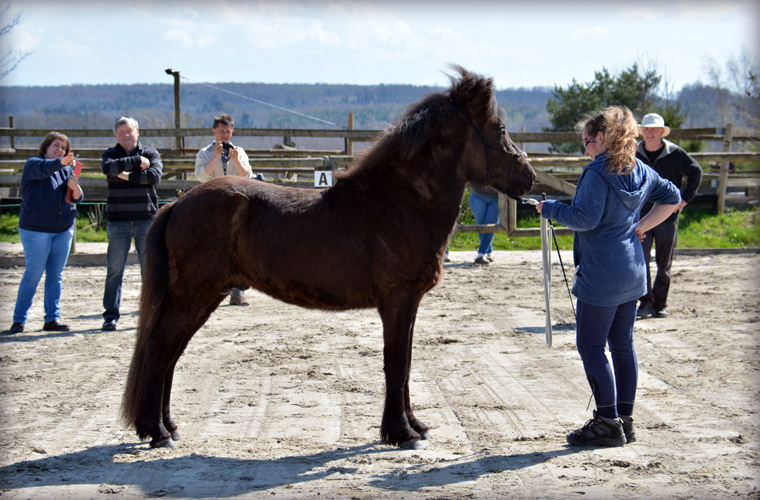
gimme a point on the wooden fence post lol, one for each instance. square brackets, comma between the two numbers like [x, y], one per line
[349, 144]
[728, 137]
[13, 138]
[177, 112]
[74, 240]
[507, 213]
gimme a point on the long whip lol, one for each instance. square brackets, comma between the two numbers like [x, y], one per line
[561, 265]
[547, 227]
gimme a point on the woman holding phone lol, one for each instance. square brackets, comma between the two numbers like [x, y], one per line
[46, 227]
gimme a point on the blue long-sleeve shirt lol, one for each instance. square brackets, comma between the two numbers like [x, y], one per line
[43, 196]
[609, 259]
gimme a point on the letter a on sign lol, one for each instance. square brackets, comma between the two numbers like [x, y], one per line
[322, 178]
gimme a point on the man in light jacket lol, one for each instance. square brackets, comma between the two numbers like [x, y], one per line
[221, 158]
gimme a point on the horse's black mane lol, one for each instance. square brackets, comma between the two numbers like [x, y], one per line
[406, 136]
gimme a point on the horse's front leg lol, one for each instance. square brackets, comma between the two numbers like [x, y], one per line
[398, 319]
[417, 425]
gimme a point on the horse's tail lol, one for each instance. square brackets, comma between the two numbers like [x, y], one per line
[155, 281]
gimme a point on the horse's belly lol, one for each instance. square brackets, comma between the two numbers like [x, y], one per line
[337, 298]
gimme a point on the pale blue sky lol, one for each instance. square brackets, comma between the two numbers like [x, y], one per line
[518, 43]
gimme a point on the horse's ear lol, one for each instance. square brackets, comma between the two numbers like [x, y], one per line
[471, 91]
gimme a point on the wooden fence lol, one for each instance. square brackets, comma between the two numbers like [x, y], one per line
[290, 166]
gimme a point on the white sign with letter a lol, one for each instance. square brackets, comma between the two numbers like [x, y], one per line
[322, 178]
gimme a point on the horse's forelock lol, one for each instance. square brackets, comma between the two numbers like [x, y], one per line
[473, 93]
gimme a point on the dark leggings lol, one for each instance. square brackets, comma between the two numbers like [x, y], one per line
[598, 326]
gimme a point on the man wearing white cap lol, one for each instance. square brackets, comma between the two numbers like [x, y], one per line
[672, 163]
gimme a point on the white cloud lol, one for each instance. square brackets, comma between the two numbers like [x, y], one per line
[590, 34]
[519, 43]
[283, 33]
[394, 33]
[179, 38]
[708, 9]
[70, 50]
[443, 34]
[643, 12]
[24, 41]
[182, 39]
[203, 42]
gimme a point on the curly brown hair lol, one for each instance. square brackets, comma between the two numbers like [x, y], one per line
[620, 130]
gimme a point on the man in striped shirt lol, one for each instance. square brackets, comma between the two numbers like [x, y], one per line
[133, 171]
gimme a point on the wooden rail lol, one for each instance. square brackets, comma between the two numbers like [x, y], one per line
[290, 166]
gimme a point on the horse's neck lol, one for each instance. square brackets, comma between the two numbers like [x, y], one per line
[435, 190]
[438, 194]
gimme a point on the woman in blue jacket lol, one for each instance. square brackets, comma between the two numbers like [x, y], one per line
[46, 227]
[610, 270]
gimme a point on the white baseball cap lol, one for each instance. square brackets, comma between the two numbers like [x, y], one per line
[654, 120]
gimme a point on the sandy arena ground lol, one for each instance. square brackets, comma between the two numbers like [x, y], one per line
[274, 401]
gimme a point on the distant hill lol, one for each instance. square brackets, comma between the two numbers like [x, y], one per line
[374, 106]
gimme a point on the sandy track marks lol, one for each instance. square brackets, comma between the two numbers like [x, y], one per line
[305, 392]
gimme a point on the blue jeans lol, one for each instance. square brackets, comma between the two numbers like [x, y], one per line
[48, 253]
[598, 326]
[120, 234]
[486, 211]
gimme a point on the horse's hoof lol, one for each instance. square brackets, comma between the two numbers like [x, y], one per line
[164, 443]
[176, 436]
[424, 435]
[412, 444]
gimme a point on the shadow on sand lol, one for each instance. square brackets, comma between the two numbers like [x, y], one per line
[116, 468]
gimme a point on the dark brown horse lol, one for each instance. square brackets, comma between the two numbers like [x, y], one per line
[375, 239]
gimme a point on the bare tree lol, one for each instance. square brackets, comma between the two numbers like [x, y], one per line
[11, 58]
[743, 72]
[738, 95]
[715, 79]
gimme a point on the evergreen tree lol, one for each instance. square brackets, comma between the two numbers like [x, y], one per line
[568, 106]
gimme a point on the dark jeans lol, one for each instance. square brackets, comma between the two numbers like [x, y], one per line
[120, 234]
[598, 326]
[664, 239]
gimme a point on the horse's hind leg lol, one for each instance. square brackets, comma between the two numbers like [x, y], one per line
[174, 331]
[171, 427]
